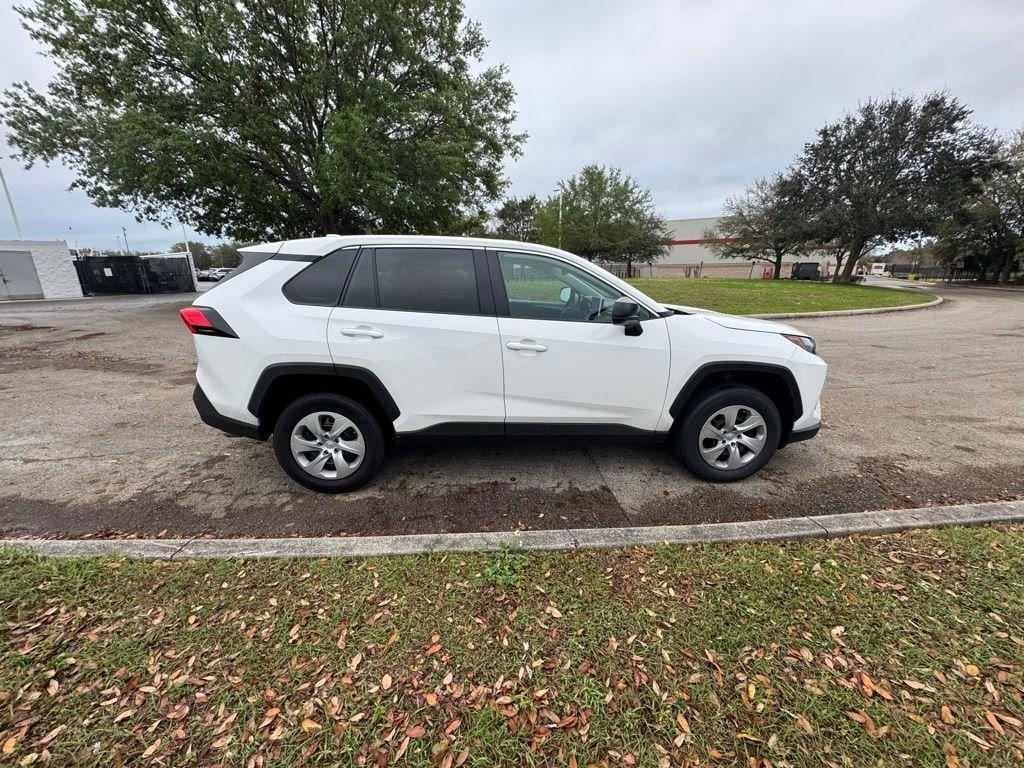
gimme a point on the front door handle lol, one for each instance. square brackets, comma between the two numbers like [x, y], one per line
[363, 330]
[526, 345]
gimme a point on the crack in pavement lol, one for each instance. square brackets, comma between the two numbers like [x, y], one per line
[604, 482]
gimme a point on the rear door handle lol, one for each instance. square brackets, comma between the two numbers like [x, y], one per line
[526, 345]
[363, 330]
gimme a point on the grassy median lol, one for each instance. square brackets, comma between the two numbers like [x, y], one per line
[902, 650]
[753, 297]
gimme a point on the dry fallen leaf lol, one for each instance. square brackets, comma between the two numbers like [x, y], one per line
[152, 748]
[309, 725]
[683, 723]
[385, 682]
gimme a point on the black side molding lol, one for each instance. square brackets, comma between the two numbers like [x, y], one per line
[461, 429]
[273, 372]
[211, 416]
[711, 369]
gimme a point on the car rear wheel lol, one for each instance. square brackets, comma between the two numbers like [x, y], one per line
[729, 434]
[329, 443]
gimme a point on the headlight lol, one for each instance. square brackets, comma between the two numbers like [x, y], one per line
[803, 341]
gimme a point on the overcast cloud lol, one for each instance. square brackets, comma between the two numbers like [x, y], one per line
[692, 98]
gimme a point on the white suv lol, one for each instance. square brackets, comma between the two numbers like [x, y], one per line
[336, 345]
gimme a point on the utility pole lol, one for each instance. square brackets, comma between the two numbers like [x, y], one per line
[559, 216]
[124, 235]
[10, 202]
[188, 258]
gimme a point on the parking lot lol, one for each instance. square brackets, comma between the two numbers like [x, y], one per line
[98, 436]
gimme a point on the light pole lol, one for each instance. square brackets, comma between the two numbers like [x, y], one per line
[124, 235]
[559, 215]
[10, 202]
[188, 258]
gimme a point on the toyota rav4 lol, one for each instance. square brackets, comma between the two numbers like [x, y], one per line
[334, 346]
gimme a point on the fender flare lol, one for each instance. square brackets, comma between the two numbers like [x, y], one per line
[709, 369]
[273, 372]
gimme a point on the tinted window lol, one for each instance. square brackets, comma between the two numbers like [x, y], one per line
[321, 282]
[362, 291]
[427, 280]
[250, 259]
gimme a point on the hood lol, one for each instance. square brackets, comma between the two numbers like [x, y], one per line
[737, 323]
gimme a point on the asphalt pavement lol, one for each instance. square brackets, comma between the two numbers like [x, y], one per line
[98, 436]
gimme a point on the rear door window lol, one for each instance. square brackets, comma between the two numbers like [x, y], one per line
[439, 280]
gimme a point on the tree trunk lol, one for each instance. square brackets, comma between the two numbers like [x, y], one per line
[1004, 273]
[856, 247]
[777, 267]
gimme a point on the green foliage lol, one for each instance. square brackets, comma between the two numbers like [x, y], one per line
[514, 220]
[270, 119]
[891, 170]
[505, 568]
[766, 223]
[226, 254]
[987, 233]
[605, 215]
[200, 252]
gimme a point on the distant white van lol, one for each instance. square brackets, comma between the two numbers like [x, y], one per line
[877, 269]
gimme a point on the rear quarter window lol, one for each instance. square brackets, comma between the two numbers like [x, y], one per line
[320, 284]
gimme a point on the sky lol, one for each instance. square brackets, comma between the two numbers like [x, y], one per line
[693, 98]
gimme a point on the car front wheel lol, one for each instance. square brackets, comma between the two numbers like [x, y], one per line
[329, 443]
[729, 434]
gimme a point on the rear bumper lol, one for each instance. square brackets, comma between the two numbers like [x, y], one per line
[210, 416]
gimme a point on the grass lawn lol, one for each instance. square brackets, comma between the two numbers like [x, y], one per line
[901, 650]
[749, 297]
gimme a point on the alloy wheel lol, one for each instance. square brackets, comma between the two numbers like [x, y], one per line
[732, 437]
[327, 445]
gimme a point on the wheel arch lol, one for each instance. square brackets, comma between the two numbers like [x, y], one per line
[776, 381]
[281, 383]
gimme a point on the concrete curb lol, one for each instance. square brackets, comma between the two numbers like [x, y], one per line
[786, 529]
[850, 312]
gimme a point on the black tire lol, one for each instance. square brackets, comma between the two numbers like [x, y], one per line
[373, 439]
[687, 438]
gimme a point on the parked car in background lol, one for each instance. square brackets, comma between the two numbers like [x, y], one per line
[806, 270]
[335, 345]
[219, 273]
[203, 274]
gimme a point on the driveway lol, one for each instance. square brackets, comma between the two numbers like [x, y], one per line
[98, 436]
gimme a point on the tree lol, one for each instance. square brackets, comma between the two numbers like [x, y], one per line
[200, 253]
[605, 215]
[262, 119]
[890, 171]
[514, 220]
[987, 233]
[766, 223]
[226, 254]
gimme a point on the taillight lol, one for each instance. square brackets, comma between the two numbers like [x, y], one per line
[206, 322]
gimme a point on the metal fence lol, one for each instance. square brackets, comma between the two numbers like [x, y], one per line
[933, 272]
[105, 275]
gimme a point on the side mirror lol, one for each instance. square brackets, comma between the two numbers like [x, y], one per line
[626, 312]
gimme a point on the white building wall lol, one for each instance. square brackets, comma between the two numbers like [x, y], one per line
[54, 265]
[684, 249]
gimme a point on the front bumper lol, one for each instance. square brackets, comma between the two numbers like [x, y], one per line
[803, 434]
[210, 416]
